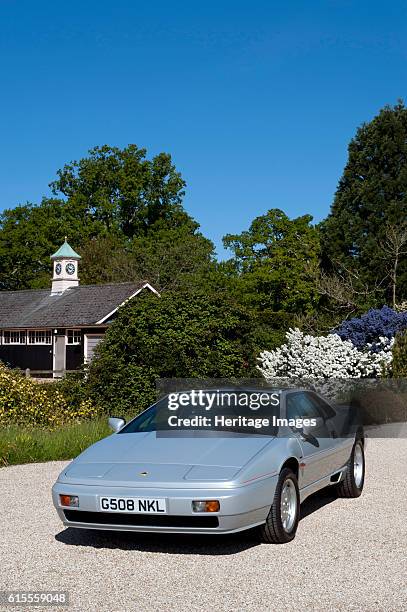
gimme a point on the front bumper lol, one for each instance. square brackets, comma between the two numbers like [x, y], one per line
[241, 508]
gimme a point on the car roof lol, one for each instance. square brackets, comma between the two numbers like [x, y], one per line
[243, 389]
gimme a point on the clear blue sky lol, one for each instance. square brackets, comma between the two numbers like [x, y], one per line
[255, 100]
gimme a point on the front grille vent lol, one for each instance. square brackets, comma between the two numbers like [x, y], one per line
[141, 520]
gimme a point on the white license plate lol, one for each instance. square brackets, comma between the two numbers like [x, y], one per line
[133, 505]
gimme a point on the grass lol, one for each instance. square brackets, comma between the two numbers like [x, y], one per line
[32, 445]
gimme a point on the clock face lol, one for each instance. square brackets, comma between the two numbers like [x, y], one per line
[58, 268]
[70, 268]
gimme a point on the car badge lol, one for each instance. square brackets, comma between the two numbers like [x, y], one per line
[143, 473]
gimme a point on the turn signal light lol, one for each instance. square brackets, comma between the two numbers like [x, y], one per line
[211, 505]
[69, 500]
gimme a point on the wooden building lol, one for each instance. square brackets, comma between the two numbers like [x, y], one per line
[57, 330]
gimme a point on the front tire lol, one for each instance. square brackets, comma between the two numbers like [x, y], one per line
[352, 485]
[282, 521]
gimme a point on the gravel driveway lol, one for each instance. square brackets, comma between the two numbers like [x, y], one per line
[348, 554]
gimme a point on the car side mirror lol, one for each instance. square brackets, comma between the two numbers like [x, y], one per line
[116, 423]
[303, 432]
[306, 432]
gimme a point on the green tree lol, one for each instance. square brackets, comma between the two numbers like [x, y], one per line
[370, 198]
[168, 257]
[277, 261]
[399, 364]
[29, 234]
[124, 190]
[183, 334]
[117, 198]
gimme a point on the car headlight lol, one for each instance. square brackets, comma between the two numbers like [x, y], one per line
[208, 505]
[72, 501]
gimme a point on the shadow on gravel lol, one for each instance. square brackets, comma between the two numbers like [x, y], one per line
[181, 544]
[317, 500]
[170, 543]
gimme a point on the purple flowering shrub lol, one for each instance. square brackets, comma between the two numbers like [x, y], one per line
[374, 324]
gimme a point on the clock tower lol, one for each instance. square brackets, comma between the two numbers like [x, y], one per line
[65, 262]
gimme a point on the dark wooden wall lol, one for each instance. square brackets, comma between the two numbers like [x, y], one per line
[74, 356]
[40, 357]
[35, 357]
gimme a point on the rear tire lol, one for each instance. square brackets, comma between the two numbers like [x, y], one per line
[282, 521]
[352, 484]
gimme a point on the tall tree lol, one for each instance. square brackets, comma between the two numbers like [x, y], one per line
[29, 234]
[113, 195]
[371, 195]
[168, 258]
[394, 249]
[277, 261]
[124, 190]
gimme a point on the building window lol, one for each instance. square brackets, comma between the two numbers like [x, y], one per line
[14, 337]
[73, 336]
[39, 336]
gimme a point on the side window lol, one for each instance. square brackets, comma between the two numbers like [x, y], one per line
[327, 411]
[299, 405]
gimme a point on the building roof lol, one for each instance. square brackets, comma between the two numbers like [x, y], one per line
[66, 251]
[79, 306]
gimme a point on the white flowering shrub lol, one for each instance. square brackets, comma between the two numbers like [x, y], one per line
[305, 356]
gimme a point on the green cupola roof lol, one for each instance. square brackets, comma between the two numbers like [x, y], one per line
[65, 251]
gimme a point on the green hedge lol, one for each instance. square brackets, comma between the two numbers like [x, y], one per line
[399, 365]
[26, 402]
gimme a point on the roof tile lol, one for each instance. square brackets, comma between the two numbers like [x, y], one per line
[78, 306]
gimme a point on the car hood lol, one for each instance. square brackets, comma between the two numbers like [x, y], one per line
[147, 460]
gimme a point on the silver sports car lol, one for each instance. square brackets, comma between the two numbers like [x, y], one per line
[201, 482]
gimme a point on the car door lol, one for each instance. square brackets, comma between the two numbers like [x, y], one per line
[318, 446]
[342, 437]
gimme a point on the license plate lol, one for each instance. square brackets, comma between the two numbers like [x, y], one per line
[133, 505]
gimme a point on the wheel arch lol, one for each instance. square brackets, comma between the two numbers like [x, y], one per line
[293, 464]
[360, 435]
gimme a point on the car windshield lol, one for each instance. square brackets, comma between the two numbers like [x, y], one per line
[252, 418]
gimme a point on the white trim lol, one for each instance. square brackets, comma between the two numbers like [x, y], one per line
[22, 332]
[85, 343]
[74, 330]
[53, 353]
[55, 336]
[127, 300]
[35, 332]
